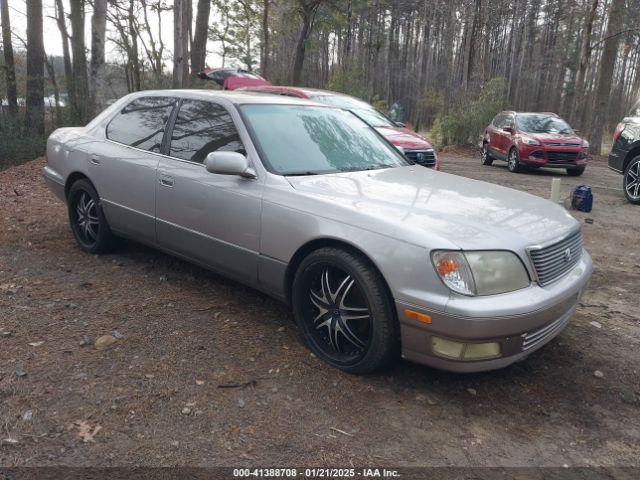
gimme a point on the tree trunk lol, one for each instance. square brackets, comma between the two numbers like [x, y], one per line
[51, 73]
[98, 31]
[80, 81]
[585, 56]
[35, 69]
[66, 55]
[7, 47]
[134, 56]
[199, 46]
[603, 91]
[180, 43]
[298, 61]
[264, 60]
[307, 13]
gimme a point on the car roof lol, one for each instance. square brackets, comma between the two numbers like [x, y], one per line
[307, 91]
[238, 97]
[511, 112]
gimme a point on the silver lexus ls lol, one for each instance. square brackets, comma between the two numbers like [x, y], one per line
[377, 257]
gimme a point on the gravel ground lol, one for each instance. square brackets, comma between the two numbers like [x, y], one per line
[207, 372]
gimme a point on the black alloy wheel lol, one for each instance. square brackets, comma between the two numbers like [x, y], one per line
[344, 311]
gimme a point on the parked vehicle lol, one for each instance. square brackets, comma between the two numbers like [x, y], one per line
[534, 140]
[415, 147]
[232, 78]
[625, 154]
[307, 203]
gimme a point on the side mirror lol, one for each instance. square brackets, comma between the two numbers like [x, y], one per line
[229, 163]
[508, 129]
[400, 124]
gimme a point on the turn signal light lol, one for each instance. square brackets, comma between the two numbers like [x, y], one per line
[419, 317]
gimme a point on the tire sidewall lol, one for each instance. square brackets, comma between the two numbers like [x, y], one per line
[485, 157]
[105, 237]
[575, 172]
[379, 308]
[633, 162]
[517, 166]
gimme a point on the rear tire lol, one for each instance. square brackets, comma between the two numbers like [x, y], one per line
[87, 220]
[513, 161]
[631, 181]
[345, 312]
[485, 156]
[575, 172]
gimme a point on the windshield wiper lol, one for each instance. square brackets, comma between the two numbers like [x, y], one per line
[300, 174]
[368, 167]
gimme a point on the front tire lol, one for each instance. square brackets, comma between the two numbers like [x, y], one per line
[631, 181]
[575, 172]
[513, 162]
[345, 312]
[485, 156]
[87, 220]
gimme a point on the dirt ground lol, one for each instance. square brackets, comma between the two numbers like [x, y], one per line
[208, 372]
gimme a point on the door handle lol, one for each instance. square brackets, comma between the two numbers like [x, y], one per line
[166, 181]
[95, 159]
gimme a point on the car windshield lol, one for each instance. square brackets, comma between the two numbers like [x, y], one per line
[362, 109]
[542, 124]
[311, 140]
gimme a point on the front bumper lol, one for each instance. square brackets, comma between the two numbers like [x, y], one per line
[552, 157]
[521, 322]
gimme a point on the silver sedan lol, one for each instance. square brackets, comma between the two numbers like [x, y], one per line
[376, 256]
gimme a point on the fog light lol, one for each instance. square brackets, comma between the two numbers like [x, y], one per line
[464, 351]
[476, 351]
[447, 348]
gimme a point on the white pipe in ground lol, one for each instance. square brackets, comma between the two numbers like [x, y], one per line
[555, 190]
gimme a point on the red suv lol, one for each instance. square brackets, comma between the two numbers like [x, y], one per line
[534, 140]
[415, 147]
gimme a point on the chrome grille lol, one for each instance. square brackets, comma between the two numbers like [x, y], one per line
[553, 261]
[536, 337]
[426, 158]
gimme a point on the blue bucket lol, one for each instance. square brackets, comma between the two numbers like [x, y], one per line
[582, 198]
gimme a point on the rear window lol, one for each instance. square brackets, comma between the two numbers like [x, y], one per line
[362, 109]
[142, 123]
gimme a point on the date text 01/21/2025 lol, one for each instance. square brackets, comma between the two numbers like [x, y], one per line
[315, 473]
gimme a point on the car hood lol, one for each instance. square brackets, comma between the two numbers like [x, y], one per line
[403, 137]
[435, 209]
[567, 139]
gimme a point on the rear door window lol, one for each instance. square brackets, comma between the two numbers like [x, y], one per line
[203, 127]
[498, 122]
[142, 123]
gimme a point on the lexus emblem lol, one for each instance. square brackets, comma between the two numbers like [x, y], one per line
[420, 157]
[567, 255]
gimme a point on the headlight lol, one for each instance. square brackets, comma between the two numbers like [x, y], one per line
[585, 145]
[454, 271]
[529, 141]
[481, 272]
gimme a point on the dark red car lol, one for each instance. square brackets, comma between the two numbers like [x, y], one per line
[232, 78]
[534, 140]
[415, 147]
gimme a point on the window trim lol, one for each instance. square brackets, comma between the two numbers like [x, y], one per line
[172, 121]
[166, 127]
